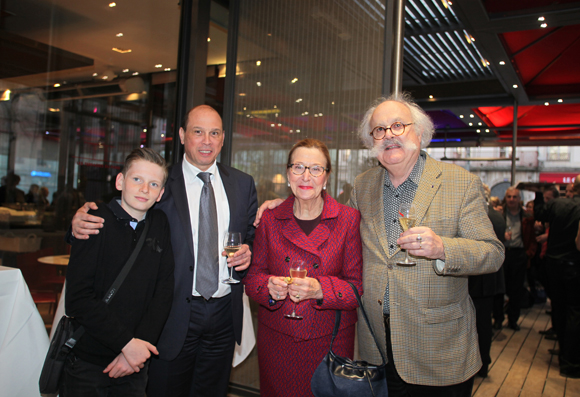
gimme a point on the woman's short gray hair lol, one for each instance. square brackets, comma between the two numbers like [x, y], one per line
[421, 120]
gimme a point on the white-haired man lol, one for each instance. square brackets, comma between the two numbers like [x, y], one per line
[424, 311]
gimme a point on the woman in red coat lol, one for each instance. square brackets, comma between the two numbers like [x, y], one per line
[309, 226]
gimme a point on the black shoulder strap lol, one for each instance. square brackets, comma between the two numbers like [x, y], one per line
[71, 342]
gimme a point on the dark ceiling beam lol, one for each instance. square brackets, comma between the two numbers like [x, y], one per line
[476, 20]
[562, 15]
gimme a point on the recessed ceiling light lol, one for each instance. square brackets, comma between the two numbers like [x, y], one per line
[259, 84]
[315, 115]
[298, 131]
[159, 66]
[480, 123]
[56, 85]
[502, 63]
[515, 86]
[471, 116]
[541, 19]
[208, 39]
[95, 74]
[275, 107]
[294, 80]
[320, 114]
[135, 73]
[279, 125]
[272, 125]
[544, 25]
[112, 4]
[460, 116]
[258, 63]
[167, 69]
[546, 103]
[119, 35]
[242, 94]
[125, 70]
[430, 96]
[478, 131]
[332, 102]
[299, 100]
[470, 124]
[121, 50]
[560, 100]
[486, 130]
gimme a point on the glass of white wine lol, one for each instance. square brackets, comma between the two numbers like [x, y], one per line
[407, 218]
[297, 270]
[232, 244]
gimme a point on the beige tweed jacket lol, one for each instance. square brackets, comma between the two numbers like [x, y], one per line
[432, 316]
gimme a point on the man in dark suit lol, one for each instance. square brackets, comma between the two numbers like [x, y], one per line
[197, 344]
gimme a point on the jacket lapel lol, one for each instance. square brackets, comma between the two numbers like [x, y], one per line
[428, 186]
[377, 210]
[179, 195]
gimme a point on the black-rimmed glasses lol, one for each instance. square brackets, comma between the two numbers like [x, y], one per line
[299, 169]
[397, 128]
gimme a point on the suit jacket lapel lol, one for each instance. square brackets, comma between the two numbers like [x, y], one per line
[377, 210]
[428, 186]
[179, 195]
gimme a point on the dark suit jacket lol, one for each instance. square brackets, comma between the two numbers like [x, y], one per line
[243, 203]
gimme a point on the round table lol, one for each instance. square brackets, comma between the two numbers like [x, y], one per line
[57, 260]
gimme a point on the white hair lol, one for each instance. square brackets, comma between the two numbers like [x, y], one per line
[421, 120]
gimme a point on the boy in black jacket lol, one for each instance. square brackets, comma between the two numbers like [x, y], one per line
[111, 358]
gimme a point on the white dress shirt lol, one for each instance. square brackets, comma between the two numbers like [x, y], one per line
[193, 186]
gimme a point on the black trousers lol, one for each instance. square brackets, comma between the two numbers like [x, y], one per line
[514, 268]
[399, 388]
[565, 292]
[81, 378]
[203, 366]
[483, 309]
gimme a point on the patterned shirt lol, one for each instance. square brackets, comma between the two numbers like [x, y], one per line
[392, 199]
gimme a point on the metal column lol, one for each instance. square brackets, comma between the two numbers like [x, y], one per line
[393, 51]
[514, 142]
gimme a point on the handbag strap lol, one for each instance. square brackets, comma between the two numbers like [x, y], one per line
[71, 342]
[364, 313]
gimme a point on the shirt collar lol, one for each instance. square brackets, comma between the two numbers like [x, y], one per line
[120, 213]
[416, 172]
[190, 171]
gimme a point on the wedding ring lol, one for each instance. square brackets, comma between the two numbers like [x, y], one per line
[277, 296]
[419, 238]
[297, 296]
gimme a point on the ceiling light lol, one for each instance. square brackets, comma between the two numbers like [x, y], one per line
[501, 63]
[471, 116]
[544, 25]
[119, 35]
[208, 39]
[332, 102]
[112, 4]
[5, 95]
[471, 124]
[541, 19]
[279, 125]
[480, 123]
[105, 77]
[515, 86]
[299, 100]
[560, 100]
[242, 94]
[546, 103]
[315, 115]
[56, 85]
[158, 66]
[259, 84]
[272, 125]
[320, 114]
[460, 116]
[430, 96]
[298, 131]
[121, 50]
[478, 131]
[95, 74]
[125, 70]
[275, 107]
[294, 80]
[258, 63]
[167, 69]
[305, 113]
[486, 130]
[135, 73]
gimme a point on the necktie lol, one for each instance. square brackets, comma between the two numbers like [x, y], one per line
[207, 244]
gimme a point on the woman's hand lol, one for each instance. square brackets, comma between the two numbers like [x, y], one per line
[266, 205]
[84, 224]
[278, 288]
[305, 288]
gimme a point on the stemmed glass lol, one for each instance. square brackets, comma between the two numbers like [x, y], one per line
[297, 270]
[232, 244]
[407, 219]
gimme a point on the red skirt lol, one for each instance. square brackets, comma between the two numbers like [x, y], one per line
[287, 364]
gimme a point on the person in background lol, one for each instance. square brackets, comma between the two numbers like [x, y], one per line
[483, 288]
[570, 190]
[344, 197]
[205, 322]
[9, 193]
[309, 226]
[32, 197]
[563, 262]
[112, 356]
[520, 247]
[496, 204]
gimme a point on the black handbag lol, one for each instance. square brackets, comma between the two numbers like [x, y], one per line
[341, 376]
[65, 338]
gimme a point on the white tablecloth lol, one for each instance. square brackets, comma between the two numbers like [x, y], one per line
[23, 338]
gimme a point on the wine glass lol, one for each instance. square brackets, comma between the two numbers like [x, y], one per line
[297, 270]
[407, 219]
[232, 244]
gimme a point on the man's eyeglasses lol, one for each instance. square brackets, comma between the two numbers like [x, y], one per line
[397, 128]
[315, 170]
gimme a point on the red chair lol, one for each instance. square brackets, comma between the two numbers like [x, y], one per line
[42, 279]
